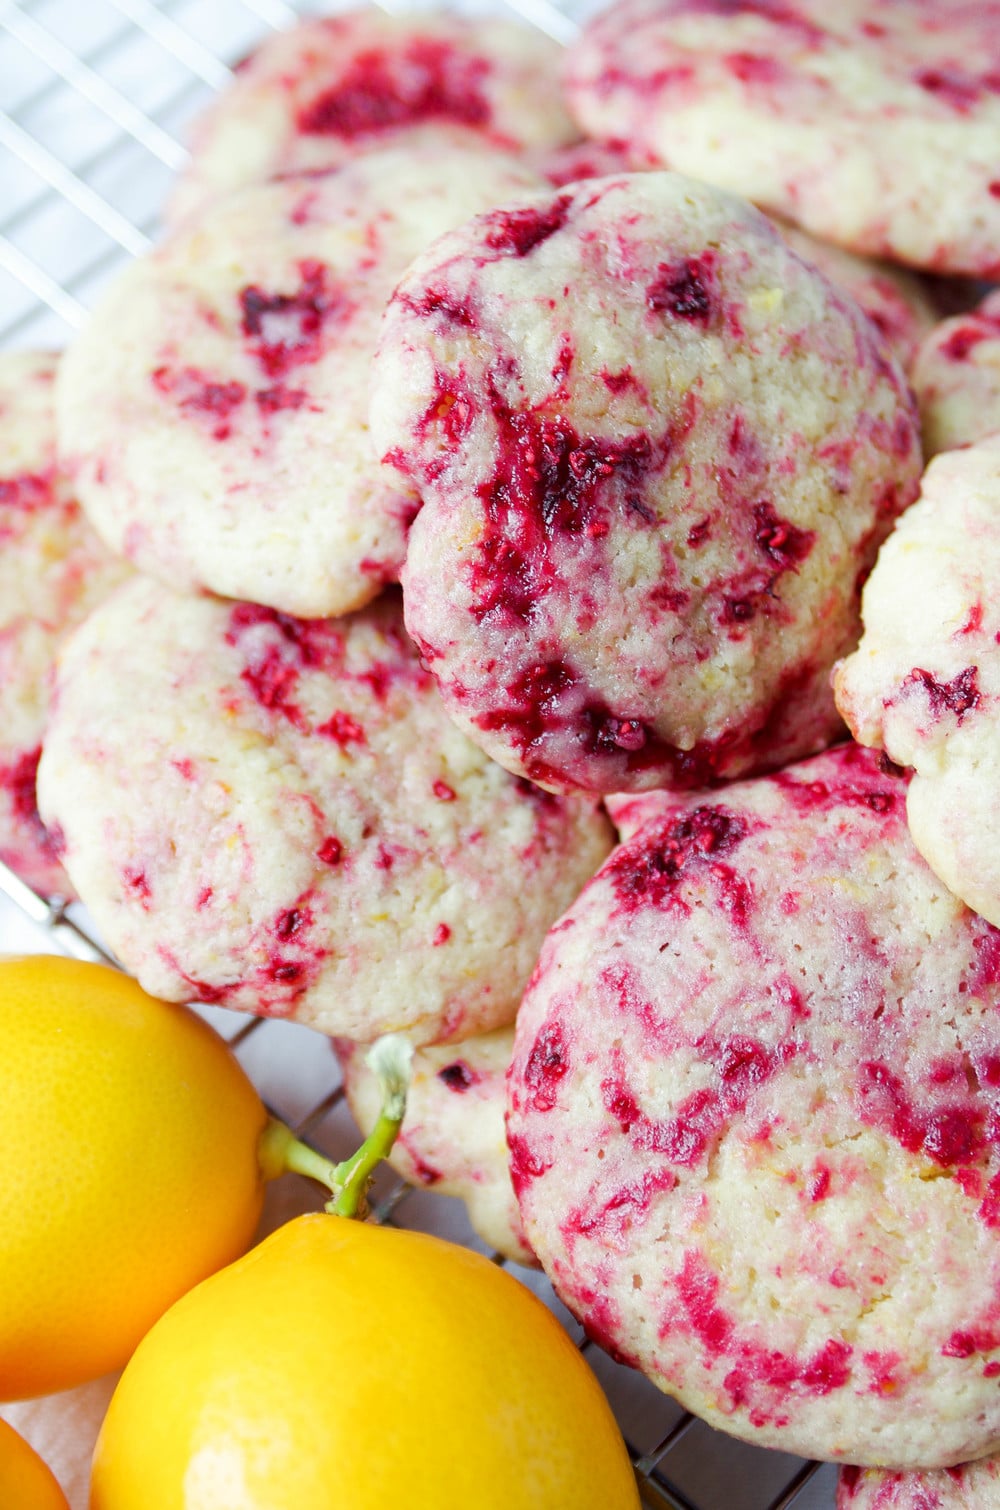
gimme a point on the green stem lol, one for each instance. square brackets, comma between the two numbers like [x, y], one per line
[390, 1059]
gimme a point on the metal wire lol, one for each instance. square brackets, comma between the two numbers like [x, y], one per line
[104, 230]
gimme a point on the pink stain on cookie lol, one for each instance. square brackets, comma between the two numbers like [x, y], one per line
[198, 395]
[26, 492]
[285, 330]
[828, 1369]
[949, 1135]
[383, 91]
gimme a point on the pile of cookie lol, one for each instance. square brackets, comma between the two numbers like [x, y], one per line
[434, 603]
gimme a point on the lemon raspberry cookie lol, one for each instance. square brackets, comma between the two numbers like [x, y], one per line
[656, 454]
[849, 119]
[53, 569]
[753, 1119]
[276, 814]
[970, 1486]
[924, 683]
[334, 87]
[956, 377]
[214, 409]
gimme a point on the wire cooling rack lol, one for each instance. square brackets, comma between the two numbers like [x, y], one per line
[94, 99]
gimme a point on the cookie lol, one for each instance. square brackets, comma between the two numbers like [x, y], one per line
[452, 1139]
[924, 683]
[956, 378]
[895, 300]
[214, 410]
[972, 1486]
[852, 120]
[656, 452]
[754, 1120]
[331, 88]
[275, 814]
[53, 569]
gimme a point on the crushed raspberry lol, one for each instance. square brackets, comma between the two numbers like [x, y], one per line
[342, 729]
[442, 791]
[524, 1165]
[783, 542]
[546, 1066]
[949, 1135]
[685, 289]
[458, 1076]
[379, 92]
[649, 873]
[442, 934]
[197, 394]
[959, 696]
[286, 329]
[520, 230]
[136, 882]
[331, 851]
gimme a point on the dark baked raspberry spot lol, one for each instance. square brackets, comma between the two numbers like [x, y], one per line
[959, 90]
[524, 1164]
[19, 780]
[458, 1076]
[519, 231]
[699, 533]
[959, 696]
[196, 394]
[286, 329]
[381, 90]
[546, 1067]
[443, 303]
[647, 874]
[685, 289]
[782, 542]
[292, 921]
[607, 733]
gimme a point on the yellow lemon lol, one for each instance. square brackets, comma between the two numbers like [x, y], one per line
[130, 1166]
[25, 1481]
[345, 1365]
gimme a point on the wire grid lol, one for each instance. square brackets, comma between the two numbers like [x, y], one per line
[93, 103]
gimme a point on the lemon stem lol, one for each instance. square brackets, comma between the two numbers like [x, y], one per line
[390, 1060]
